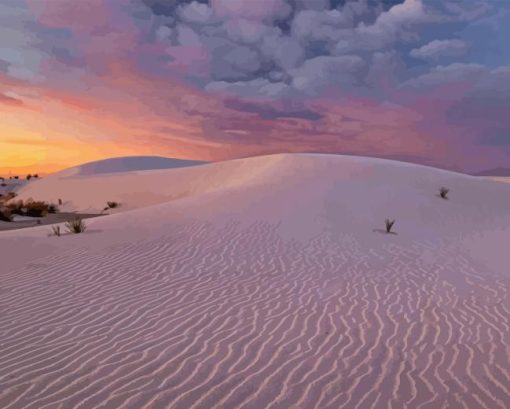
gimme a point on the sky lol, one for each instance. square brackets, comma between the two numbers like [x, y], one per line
[425, 81]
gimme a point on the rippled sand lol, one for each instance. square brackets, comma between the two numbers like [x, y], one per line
[279, 295]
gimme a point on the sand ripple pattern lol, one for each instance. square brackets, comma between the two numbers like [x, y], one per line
[236, 317]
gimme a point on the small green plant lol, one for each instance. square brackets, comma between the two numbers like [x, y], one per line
[76, 226]
[443, 192]
[389, 225]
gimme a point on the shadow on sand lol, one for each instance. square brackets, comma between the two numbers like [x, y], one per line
[384, 232]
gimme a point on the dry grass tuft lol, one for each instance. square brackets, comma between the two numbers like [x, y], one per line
[389, 225]
[76, 226]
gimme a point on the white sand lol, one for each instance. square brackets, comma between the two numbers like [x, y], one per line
[262, 283]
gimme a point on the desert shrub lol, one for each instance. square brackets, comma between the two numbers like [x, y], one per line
[16, 177]
[36, 175]
[16, 207]
[443, 192]
[36, 209]
[52, 208]
[55, 230]
[76, 226]
[389, 225]
[29, 176]
[29, 208]
[111, 205]
[5, 215]
[3, 184]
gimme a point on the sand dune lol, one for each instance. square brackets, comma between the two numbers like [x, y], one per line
[262, 283]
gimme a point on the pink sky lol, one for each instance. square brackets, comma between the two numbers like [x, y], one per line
[217, 80]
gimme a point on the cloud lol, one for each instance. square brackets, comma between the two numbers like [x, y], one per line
[399, 78]
[10, 100]
[440, 48]
[319, 72]
[268, 10]
[268, 112]
[449, 74]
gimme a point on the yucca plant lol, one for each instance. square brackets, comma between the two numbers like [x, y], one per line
[76, 226]
[389, 225]
[56, 230]
[443, 192]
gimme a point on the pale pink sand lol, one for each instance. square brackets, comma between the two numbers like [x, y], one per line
[504, 179]
[263, 283]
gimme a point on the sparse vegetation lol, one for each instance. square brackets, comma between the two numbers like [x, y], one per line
[5, 215]
[52, 208]
[443, 192]
[3, 184]
[36, 176]
[389, 225]
[56, 230]
[16, 207]
[76, 226]
[36, 209]
[111, 205]
[29, 208]
[29, 176]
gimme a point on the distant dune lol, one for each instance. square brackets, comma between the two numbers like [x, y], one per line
[127, 164]
[495, 172]
[265, 282]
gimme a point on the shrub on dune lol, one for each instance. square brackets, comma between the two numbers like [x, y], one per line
[16, 207]
[5, 215]
[76, 226]
[111, 205]
[52, 208]
[56, 231]
[389, 225]
[36, 209]
[443, 192]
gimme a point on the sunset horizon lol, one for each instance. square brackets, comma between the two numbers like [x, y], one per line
[410, 80]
